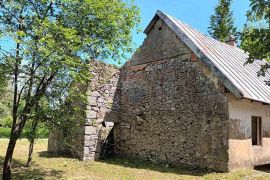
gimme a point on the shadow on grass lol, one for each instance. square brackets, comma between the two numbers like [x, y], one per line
[19, 171]
[47, 154]
[141, 164]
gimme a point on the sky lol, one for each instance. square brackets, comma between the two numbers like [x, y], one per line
[196, 13]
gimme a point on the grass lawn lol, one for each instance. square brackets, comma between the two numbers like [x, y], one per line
[55, 167]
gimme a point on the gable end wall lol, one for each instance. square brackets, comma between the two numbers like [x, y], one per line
[172, 108]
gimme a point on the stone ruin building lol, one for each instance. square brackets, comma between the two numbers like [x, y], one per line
[183, 99]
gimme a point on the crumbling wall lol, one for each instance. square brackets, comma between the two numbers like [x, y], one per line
[173, 110]
[101, 101]
[90, 132]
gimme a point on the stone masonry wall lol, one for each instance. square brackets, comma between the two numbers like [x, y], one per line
[173, 110]
[100, 95]
[88, 136]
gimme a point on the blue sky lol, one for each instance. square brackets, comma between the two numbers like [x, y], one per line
[193, 12]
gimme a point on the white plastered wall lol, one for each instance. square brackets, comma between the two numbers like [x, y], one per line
[241, 152]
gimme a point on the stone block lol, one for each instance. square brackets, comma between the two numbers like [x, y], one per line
[92, 101]
[100, 100]
[85, 150]
[95, 109]
[91, 114]
[109, 124]
[90, 157]
[91, 130]
[103, 110]
[95, 94]
[90, 143]
[87, 137]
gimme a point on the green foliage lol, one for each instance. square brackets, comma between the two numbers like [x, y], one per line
[221, 23]
[4, 132]
[42, 131]
[5, 98]
[256, 34]
[54, 40]
[6, 121]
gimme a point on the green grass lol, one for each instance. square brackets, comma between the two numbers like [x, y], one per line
[47, 166]
[4, 132]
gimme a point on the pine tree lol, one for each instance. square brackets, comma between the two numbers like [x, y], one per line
[221, 23]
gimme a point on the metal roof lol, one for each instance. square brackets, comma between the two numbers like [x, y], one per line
[226, 62]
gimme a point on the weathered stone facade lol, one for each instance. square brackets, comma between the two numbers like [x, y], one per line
[172, 110]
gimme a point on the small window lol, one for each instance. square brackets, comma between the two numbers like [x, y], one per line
[256, 126]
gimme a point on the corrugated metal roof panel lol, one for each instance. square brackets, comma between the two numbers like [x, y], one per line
[228, 61]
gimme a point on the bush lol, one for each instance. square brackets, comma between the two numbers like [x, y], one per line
[41, 132]
[4, 132]
[6, 121]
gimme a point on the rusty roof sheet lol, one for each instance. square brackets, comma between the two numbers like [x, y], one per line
[226, 61]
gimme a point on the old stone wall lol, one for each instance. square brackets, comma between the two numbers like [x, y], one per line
[101, 101]
[241, 152]
[173, 110]
[91, 132]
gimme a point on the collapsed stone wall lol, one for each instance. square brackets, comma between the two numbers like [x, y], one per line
[173, 110]
[92, 131]
[101, 101]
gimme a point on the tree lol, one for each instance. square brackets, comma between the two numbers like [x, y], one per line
[37, 125]
[221, 23]
[53, 40]
[5, 98]
[256, 35]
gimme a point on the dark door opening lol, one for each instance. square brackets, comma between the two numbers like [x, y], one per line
[256, 128]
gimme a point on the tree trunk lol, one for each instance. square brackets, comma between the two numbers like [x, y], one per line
[14, 136]
[15, 132]
[30, 152]
[32, 142]
[8, 157]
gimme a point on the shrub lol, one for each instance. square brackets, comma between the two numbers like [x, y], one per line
[4, 132]
[41, 132]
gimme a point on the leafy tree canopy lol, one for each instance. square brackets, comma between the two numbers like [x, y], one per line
[256, 34]
[53, 41]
